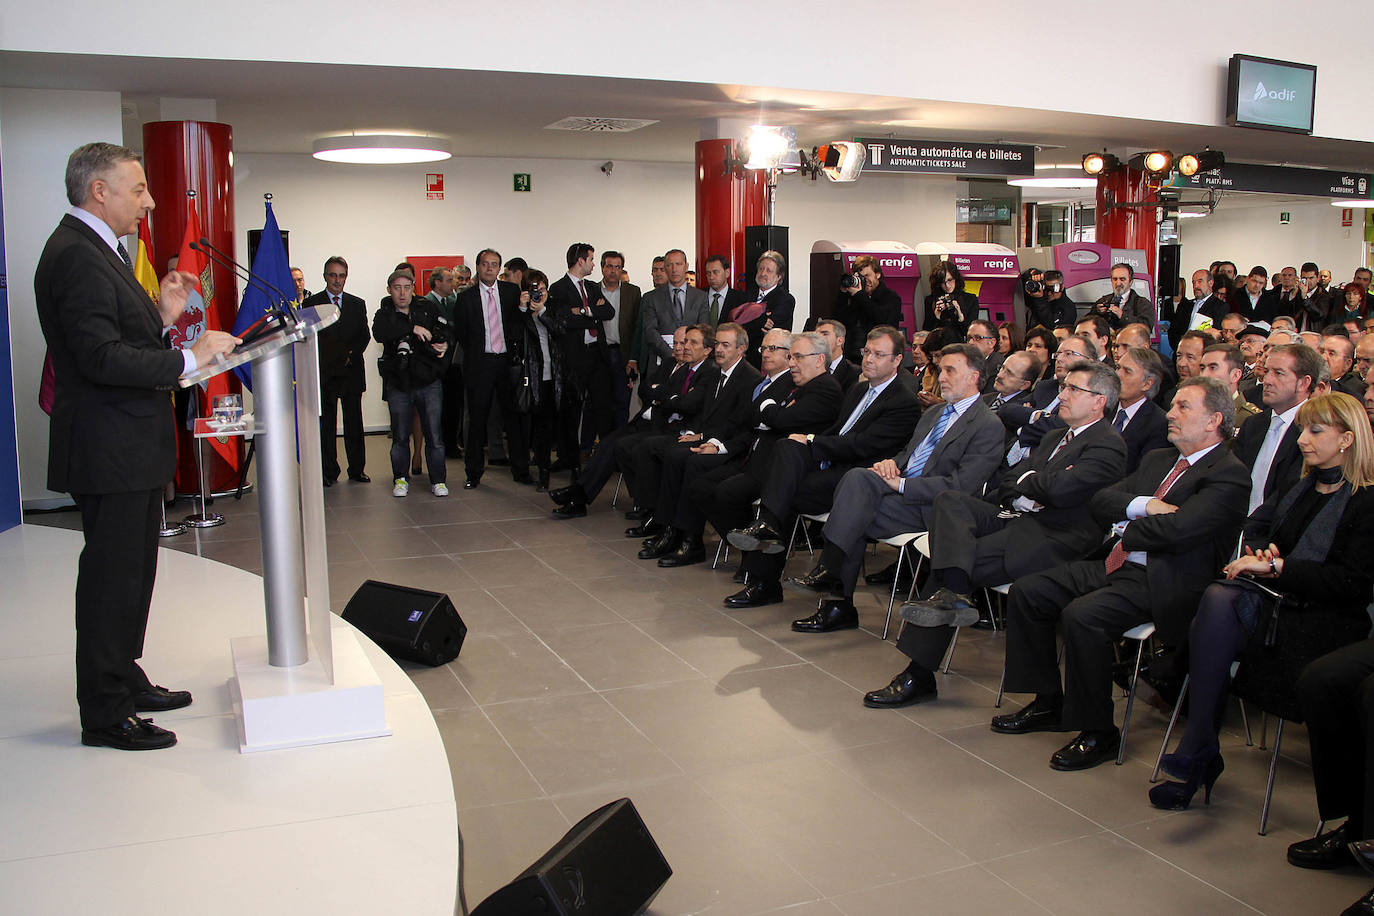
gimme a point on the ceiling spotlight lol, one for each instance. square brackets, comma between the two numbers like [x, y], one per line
[1208, 160]
[768, 148]
[381, 149]
[842, 160]
[1156, 162]
[1357, 204]
[1100, 163]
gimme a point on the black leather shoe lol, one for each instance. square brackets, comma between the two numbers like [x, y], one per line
[160, 699]
[756, 594]
[1329, 850]
[329, 481]
[542, 484]
[1362, 907]
[690, 552]
[819, 581]
[637, 514]
[571, 494]
[1087, 750]
[906, 689]
[758, 536]
[471, 483]
[833, 614]
[646, 529]
[942, 609]
[662, 545]
[1362, 851]
[360, 478]
[1037, 716]
[574, 509]
[133, 734]
[885, 575]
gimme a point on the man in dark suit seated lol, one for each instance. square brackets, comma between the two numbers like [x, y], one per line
[1038, 417]
[111, 441]
[1138, 418]
[836, 335]
[661, 462]
[1177, 517]
[955, 448]
[342, 381]
[1012, 387]
[1037, 519]
[873, 422]
[1339, 352]
[1268, 442]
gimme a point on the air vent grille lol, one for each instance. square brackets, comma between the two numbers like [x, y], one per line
[601, 125]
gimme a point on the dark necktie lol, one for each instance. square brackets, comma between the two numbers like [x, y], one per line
[715, 308]
[582, 289]
[677, 307]
[687, 382]
[124, 256]
[1121, 419]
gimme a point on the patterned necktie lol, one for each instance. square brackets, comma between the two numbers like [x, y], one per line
[496, 341]
[1117, 557]
[917, 464]
[760, 298]
[997, 404]
[1068, 437]
[335, 300]
[124, 256]
[1121, 418]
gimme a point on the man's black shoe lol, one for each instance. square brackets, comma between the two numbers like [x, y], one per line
[756, 595]
[885, 575]
[569, 494]
[945, 608]
[833, 614]
[1362, 907]
[688, 553]
[160, 699]
[572, 509]
[758, 536]
[471, 483]
[360, 478]
[646, 529]
[1037, 716]
[133, 734]
[1328, 850]
[1087, 750]
[662, 545]
[819, 580]
[638, 514]
[906, 689]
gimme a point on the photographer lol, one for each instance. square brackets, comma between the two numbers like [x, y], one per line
[1057, 310]
[864, 303]
[948, 306]
[416, 342]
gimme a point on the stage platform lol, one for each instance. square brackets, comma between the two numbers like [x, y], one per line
[365, 826]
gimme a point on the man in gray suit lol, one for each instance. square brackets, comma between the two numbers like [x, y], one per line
[669, 307]
[956, 448]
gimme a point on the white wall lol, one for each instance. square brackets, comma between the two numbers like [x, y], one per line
[1247, 230]
[38, 131]
[890, 50]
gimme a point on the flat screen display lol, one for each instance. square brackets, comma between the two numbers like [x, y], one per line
[1271, 94]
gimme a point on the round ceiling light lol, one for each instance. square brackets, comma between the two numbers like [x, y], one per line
[1364, 204]
[381, 149]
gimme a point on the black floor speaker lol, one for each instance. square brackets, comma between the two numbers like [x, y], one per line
[408, 623]
[606, 865]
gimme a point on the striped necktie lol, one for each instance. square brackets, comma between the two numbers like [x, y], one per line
[917, 464]
[1117, 558]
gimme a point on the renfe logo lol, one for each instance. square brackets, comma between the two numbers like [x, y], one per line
[895, 262]
[1000, 264]
[1278, 95]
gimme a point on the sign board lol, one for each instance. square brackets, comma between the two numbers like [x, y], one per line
[995, 211]
[947, 157]
[522, 181]
[1280, 179]
[1270, 94]
[434, 186]
[986, 265]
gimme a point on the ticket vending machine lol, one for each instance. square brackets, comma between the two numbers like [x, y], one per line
[831, 260]
[1087, 269]
[991, 273]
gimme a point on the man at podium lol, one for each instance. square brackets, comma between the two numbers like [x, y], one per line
[111, 441]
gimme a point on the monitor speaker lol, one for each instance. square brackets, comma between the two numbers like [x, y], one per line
[408, 623]
[607, 864]
[757, 240]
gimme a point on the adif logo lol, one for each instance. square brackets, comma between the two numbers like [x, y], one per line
[1278, 95]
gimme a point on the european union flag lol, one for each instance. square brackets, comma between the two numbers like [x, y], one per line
[270, 267]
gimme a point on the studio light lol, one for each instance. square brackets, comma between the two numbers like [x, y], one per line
[381, 149]
[1156, 162]
[769, 148]
[1208, 160]
[1100, 163]
[842, 160]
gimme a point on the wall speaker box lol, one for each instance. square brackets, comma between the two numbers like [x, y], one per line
[606, 865]
[408, 623]
[757, 240]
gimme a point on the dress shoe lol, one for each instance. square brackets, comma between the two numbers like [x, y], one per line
[638, 514]
[819, 580]
[329, 481]
[662, 545]
[1087, 750]
[573, 509]
[524, 478]
[471, 483]
[1037, 716]
[885, 575]
[906, 689]
[1362, 851]
[542, 484]
[758, 536]
[569, 494]
[756, 594]
[133, 734]
[646, 529]
[690, 552]
[945, 608]
[1362, 907]
[833, 614]
[1204, 769]
[360, 478]
[1329, 850]
[160, 699]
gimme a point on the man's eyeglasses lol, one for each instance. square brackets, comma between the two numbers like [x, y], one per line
[1069, 354]
[798, 357]
[1065, 386]
[875, 354]
[773, 348]
[980, 337]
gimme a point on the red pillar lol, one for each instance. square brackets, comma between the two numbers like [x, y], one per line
[725, 205]
[1127, 227]
[197, 156]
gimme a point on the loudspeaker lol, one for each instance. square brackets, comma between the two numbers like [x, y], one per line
[606, 865]
[408, 623]
[757, 240]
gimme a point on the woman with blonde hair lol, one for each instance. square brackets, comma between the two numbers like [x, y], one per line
[1311, 545]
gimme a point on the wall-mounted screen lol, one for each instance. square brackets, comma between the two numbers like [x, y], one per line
[1270, 94]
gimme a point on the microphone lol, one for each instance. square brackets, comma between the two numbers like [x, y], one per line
[284, 306]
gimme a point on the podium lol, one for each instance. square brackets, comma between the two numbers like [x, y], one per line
[283, 694]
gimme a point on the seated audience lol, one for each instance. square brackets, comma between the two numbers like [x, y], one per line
[1139, 419]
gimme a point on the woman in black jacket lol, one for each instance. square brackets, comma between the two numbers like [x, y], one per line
[544, 375]
[1313, 545]
[949, 306]
[416, 349]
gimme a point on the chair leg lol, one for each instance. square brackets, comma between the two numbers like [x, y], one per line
[1130, 701]
[1001, 687]
[1321, 825]
[892, 598]
[1164, 745]
[1264, 729]
[1249, 740]
[1269, 786]
[722, 553]
[792, 540]
[616, 495]
[949, 655]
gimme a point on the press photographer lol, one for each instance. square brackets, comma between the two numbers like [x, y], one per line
[864, 302]
[949, 306]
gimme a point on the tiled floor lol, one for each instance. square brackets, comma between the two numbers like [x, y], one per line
[589, 675]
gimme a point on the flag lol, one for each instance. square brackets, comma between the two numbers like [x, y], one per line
[143, 265]
[191, 324]
[272, 271]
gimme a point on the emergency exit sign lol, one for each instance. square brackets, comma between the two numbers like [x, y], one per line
[522, 181]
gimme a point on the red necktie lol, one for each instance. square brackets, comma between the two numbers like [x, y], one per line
[1117, 557]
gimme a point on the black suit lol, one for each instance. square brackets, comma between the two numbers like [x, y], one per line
[1147, 431]
[342, 382]
[676, 405]
[1135, 308]
[112, 447]
[487, 376]
[778, 306]
[1286, 467]
[1276, 302]
[846, 373]
[1212, 307]
[587, 366]
[1005, 409]
[1183, 552]
[861, 312]
[1052, 313]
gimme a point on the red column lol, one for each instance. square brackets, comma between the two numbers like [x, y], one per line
[725, 205]
[198, 156]
[1127, 227]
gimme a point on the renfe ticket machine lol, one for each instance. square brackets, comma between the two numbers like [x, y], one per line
[831, 260]
[1087, 269]
[991, 272]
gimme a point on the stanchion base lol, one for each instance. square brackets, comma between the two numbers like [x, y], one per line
[212, 520]
[296, 707]
[171, 531]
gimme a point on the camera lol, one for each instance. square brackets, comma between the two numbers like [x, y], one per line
[851, 281]
[1034, 287]
[536, 295]
[944, 303]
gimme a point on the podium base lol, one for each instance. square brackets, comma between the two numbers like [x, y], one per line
[297, 707]
[212, 520]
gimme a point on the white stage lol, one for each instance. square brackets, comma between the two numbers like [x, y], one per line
[364, 826]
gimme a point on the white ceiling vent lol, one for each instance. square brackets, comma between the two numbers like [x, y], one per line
[601, 125]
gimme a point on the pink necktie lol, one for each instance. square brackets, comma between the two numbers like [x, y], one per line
[496, 342]
[1117, 557]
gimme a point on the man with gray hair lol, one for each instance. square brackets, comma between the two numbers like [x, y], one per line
[1175, 518]
[111, 442]
[771, 307]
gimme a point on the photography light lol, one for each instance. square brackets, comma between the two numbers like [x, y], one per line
[768, 147]
[841, 160]
[1098, 163]
[1208, 160]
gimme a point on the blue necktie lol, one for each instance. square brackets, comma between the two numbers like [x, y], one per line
[1121, 418]
[758, 389]
[917, 464]
[854, 418]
